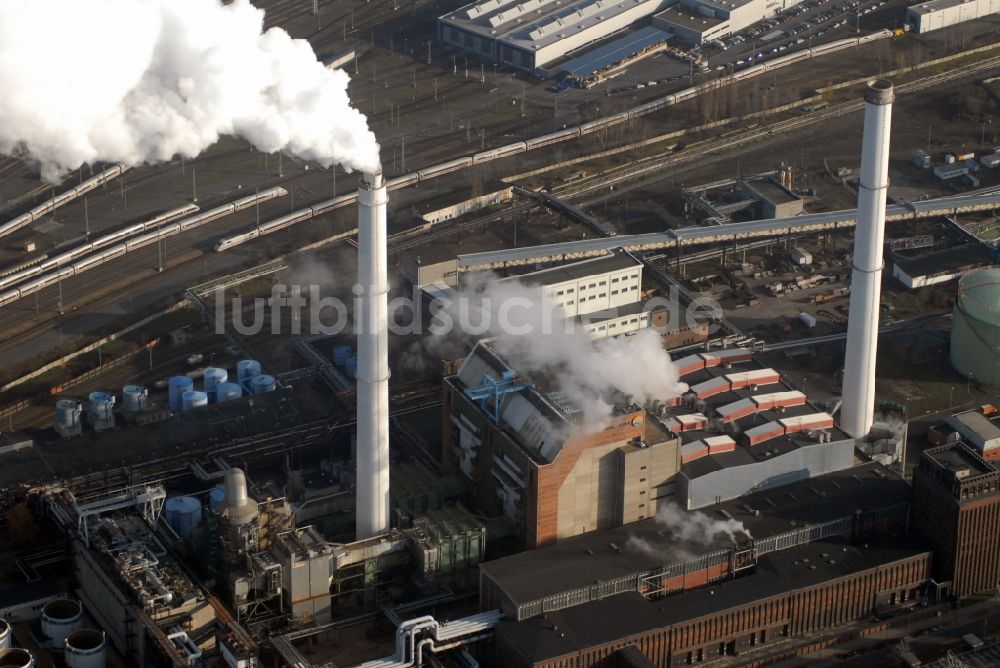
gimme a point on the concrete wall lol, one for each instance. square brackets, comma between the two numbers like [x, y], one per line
[729, 483]
[646, 479]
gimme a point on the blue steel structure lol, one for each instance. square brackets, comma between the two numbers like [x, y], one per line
[492, 388]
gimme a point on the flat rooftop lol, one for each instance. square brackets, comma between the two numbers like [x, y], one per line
[945, 261]
[958, 460]
[684, 17]
[599, 556]
[614, 52]
[978, 423]
[617, 617]
[617, 260]
[771, 191]
[934, 6]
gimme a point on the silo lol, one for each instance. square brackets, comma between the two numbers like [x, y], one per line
[263, 383]
[351, 367]
[4, 634]
[100, 410]
[16, 658]
[192, 399]
[86, 648]
[176, 389]
[975, 328]
[60, 618]
[245, 371]
[183, 514]
[227, 391]
[341, 354]
[133, 401]
[216, 497]
[214, 377]
[67, 421]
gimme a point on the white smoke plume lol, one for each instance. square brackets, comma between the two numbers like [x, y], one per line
[683, 529]
[530, 331]
[136, 81]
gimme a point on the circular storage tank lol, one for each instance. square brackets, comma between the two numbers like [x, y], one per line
[176, 389]
[133, 398]
[100, 405]
[975, 327]
[216, 497]
[341, 354]
[351, 367]
[86, 648]
[4, 634]
[213, 378]
[60, 618]
[263, 383]
[183, 514]
[227, 391]
[67, 413]
[16, 658]
[247, 369]
[192, 399]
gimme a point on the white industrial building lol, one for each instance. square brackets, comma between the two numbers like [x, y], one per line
[530, 34]
[698, 21]
[938, 14]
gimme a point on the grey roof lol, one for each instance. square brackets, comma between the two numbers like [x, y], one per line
[614, 52]
[582, 560]
[947, 260]
[618, 617]
[616, 260]
[976, 423]
[958, 458]
[772, 191]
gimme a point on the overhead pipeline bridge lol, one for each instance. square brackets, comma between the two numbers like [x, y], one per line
[692, 236]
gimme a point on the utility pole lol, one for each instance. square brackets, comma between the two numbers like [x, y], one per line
[428, 53]
[194, 186]
[315, 7]
[454, 65]
[86, 218]
[435, 89]
[281, 167]
[482, 73]
[402, 154]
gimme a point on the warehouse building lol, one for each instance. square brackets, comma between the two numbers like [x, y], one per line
[956, 505]
[938, 14]
[917, 270]
[775, 200]
[532, 34]
[979, 431]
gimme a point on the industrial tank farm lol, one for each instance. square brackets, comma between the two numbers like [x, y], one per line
[975, 335]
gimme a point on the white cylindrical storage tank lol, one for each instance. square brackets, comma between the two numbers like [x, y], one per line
[86, 648]
[216, 497]
[134, 399]
[16, 658]
[60, 618]
[192, 399]
[214, 377]
[263, 383]
[183, 514]
[68, 413]
[247, 369]
[227, 391]
[100, 406]
[4, 634]
[176, 389]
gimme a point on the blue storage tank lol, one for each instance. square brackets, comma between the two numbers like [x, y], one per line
[176, 389]
[193, 399]
[263, 383]
[245, 370]
[227, 391]
[351, 366]
[216, 497]
[214, 377]
[183, 514]
[341, 354]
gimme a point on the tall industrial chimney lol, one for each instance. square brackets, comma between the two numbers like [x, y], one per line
[373, 361]
[858, 408]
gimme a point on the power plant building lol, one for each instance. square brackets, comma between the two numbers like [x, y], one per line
[956, 504]
[698, 21]
[937, 14]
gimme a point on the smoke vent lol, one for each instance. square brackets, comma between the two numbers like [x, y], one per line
[858, 410]
[236, 505]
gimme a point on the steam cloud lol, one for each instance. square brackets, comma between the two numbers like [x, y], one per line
[136, 81]
[585, 371]
[686, 528]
